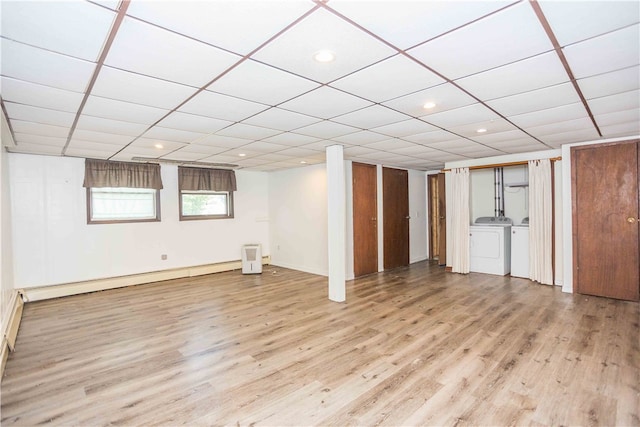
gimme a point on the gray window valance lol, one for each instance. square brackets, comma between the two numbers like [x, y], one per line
[193, 179]
[105, 173]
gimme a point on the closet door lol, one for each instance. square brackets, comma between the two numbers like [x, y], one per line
[365, 219]
[606, 220]
[395, 200]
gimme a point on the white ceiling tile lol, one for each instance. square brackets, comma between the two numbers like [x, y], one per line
[325, 103]
[88, 153]
[240, 130]
[56, 26]
[445, 96]
[580, 135]
[535, 100]
[264, 147]
[76, 145]
[39, 115]
[222, 141]
[391, 78]
[240, 26]
[111, 126]
[389, 145]
[103, 137]
[299, 152]
[507, 36]
[621, 129]
[370, 117]
[618, 117]
[130, 87]
[36, 149]
[220, 106]
[492, 126]
[27, 138]
[540, 71]
[20, 126]
[462, 116]
[323, 144]
[273, 157]
[203, 150]
[519, 145]
[605, 53]
[222, 159]
[610, 83]
[193, 122]
[416, 150]
[619, 102]
[405, 128]
[442, 16]
[136, 48]
[132, 151]
[361, 137]
[248, 163]
[550, 115]
[358, 151]
[185, 156]
[120, 110]
[573, 21]
[283, 120]
[510, 136]
[354, 49]
[290, 139]
[39, 96]
[561, 127]
[159, 145]
[258, 82]
[326, 129]
[169, 134]
[239, 153]
[431, 137]
[47, 68]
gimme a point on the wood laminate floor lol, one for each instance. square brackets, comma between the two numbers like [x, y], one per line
[413, 346]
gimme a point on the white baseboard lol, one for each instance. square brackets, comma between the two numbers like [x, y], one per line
[305, 269]
[10, 326]
[57, 291]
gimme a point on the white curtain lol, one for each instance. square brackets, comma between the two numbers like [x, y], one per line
[460, 220]
[540, 222]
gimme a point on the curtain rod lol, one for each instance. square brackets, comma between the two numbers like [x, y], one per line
[501, 165]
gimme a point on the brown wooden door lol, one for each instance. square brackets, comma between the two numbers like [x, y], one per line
[605, 220]
[442, 224]
[434, 216]
[395, 200]
[365, 219]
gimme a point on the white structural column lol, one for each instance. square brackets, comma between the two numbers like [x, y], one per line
[336, 214]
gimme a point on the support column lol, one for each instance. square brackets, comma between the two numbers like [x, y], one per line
[336, 209]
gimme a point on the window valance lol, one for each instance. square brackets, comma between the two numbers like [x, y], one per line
[105, 173]
[195, 179]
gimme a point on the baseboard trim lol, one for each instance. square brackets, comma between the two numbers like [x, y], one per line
[10, 326]
[448, 269]
[68, 289]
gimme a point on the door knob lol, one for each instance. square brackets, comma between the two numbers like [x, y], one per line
[631, 220]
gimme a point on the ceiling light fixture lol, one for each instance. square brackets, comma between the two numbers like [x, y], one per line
[429, 105]
[241, 154]
[324, 56]
[303, 162]
[159, 146]
[481, 130]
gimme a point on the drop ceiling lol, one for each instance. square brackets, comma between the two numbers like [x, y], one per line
[235, 82]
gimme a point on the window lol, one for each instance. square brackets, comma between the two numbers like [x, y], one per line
[205, 193]
[206, 204]
[121, 191]
[111, 204]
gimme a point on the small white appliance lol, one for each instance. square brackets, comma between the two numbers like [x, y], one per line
[490, 245]
[520, 249]
[251, 259]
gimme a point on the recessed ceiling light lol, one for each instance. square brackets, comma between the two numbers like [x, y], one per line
[241, 154]
[429, 105]
[159, 146]
[303, 162]
[324, 56]
[481, 130]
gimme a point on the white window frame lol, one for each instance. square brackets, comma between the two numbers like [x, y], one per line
[124, 219]
[227, 215]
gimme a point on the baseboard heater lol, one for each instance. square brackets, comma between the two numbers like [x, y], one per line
[67, 289]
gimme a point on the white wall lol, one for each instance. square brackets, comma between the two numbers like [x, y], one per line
[418, 234]
[6, 253]
[53, 243]
[298, 218]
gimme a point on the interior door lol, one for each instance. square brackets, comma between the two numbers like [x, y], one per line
[605, 220]
[365, 219]
[442, 221]
[434, 217]
[395, 199]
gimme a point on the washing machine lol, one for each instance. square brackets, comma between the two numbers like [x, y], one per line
[490, 245]
[520, 249]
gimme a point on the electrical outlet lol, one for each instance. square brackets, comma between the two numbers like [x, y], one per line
[163, 257]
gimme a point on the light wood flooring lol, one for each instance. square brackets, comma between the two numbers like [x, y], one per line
[413, 346]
